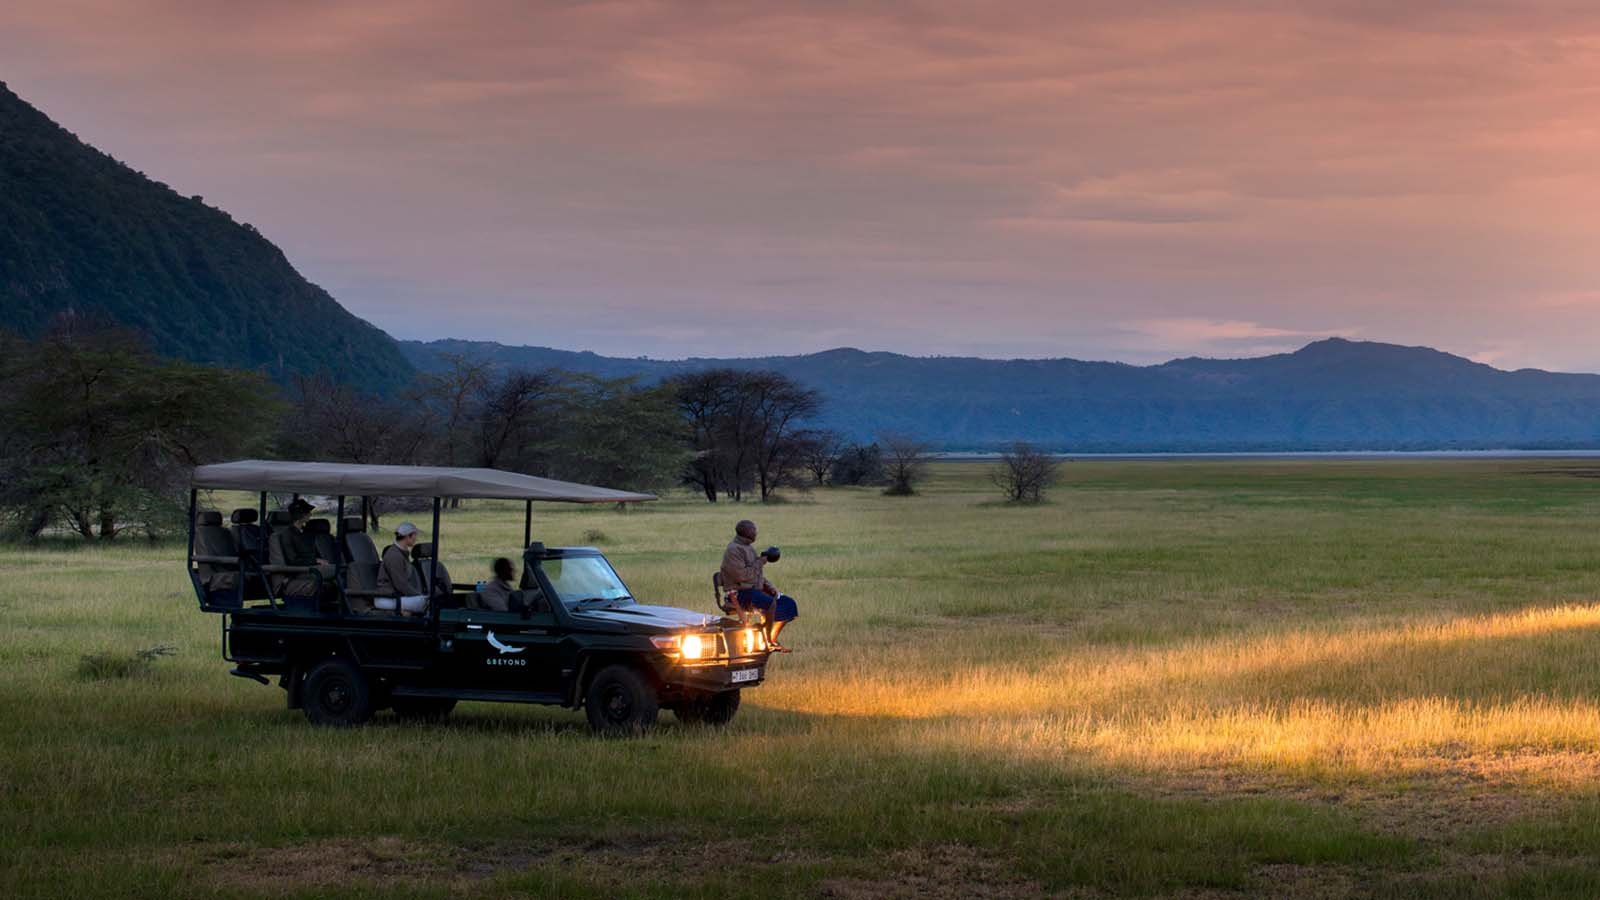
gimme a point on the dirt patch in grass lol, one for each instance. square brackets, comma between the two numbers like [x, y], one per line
[952, 871]
[1432, 804]
[405, 862]
[344, 861]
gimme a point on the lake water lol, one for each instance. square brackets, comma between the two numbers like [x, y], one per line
[1308, 454]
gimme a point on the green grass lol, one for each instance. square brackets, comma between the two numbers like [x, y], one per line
[1367, 678]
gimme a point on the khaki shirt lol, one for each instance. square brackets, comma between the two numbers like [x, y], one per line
[396, 577]
[496, 595]
[742, 567]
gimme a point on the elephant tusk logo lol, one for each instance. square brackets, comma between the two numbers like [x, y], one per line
[503, 648]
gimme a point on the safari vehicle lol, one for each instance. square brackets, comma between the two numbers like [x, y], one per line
[575, 636]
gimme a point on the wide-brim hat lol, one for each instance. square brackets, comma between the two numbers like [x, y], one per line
[299, 507]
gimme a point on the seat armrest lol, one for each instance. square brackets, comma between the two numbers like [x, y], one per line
[217, 560]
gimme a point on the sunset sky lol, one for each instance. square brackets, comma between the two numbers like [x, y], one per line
[1118, 180]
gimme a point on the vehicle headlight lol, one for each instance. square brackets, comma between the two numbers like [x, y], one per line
[752, 640]
[692, 647]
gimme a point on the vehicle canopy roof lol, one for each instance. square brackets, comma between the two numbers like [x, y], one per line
[350, 479]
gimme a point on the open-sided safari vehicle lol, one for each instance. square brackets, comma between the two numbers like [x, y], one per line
[574, 637]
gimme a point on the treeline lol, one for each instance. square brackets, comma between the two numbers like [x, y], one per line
[98, 434]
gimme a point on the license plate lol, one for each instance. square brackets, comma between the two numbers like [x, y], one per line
[742, 675]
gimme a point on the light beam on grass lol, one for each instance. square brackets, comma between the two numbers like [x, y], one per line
[1325, 701]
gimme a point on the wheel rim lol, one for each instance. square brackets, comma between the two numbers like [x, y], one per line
[336, 696]
[617, 705]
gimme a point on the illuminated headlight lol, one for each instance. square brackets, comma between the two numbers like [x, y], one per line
[752, 640]
[693, 647]
[686, 646]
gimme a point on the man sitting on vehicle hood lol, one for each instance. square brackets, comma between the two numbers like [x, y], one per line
[744, 572]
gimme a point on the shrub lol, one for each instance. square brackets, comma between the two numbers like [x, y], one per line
[108, 666]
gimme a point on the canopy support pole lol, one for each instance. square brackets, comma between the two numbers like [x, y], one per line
[338, 555]
[527, 526]
[433, 562]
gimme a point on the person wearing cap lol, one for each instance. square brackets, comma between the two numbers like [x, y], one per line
[396, 577]
[299, 548]
[744, 573]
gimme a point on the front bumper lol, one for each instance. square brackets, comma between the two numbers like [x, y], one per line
[718, 675]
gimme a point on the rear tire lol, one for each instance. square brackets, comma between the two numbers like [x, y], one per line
[620, 701]
[423, 709]
[336, 695]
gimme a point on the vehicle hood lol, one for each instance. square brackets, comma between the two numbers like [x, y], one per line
[666, 618]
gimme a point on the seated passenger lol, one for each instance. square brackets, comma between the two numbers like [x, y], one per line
[396, 577]
[496, 594]
[299, 548]
[743, 572]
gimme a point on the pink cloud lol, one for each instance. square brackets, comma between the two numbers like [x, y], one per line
[923, 176]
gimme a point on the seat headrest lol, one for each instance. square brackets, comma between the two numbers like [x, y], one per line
[279, 518]
[319, 526]
[422, 551]
[244, 516]
[355, 524]
[208, 517]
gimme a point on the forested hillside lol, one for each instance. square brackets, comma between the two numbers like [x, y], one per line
[80, 231]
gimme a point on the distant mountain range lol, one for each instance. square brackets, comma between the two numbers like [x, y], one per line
[81, 231]
[1330, 395]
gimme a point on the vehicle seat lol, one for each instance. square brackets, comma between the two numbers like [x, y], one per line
[421, 555]
[216, 559]
[278, 524]
[246, 532]
[249, 542]
[361, 565]
[726, 599]
[322, 531]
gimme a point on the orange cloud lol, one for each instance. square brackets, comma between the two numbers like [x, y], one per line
[930, 177]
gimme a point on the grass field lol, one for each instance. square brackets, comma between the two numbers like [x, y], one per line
[1186, 678]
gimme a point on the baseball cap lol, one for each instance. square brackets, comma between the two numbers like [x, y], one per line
[405, 529]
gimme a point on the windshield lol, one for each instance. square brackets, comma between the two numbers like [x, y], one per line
[588, 580]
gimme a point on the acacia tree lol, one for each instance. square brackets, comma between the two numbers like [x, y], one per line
[455, 393]
[778, 403]
[819, 453]
[100, 434]
[1024, 472]
[859, 464]
[704, 400]
[614, 433]
[338, 423]
[905, 462]
[513, 419]
[744, 430]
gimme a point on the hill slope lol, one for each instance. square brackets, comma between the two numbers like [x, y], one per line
[80, 230]
[1333, 394]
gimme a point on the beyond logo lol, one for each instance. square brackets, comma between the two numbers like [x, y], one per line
[504, 649]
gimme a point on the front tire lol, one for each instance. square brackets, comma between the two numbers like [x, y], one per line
[708, 709]
[720, 708]
[620, 701]
[336, 695]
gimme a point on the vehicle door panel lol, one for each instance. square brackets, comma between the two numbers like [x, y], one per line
[489, 650]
